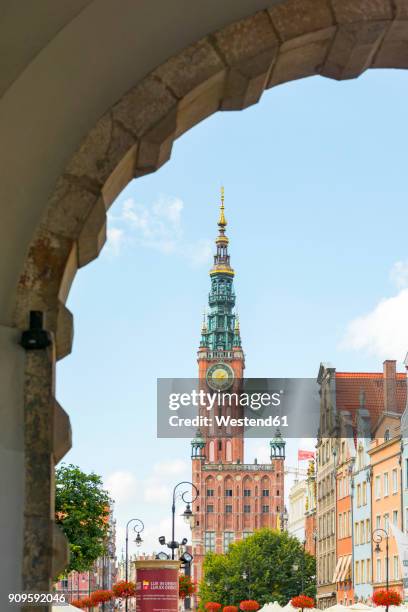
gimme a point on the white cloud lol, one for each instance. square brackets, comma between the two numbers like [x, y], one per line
[114, 240]
[156, 493]
[383, 332]
[121, 485]
[166, 468]
[157, 227]
[399, 274]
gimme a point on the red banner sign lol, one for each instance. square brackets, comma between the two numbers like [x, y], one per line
[157, 589]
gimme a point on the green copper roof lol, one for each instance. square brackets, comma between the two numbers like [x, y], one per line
[220, 330]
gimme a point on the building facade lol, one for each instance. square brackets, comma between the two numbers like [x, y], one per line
[235, 498]
[297, 509]
[344, 458]
[362, 548]
[386, 500]
[310, 511]
[326, 491]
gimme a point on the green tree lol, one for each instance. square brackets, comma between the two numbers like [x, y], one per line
[267, 560]
[82, 511]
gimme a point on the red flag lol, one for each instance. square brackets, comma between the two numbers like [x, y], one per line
[305, 454]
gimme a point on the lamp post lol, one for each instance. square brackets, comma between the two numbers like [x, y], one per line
[247, 576]
[187, 514]
[377, 536]
[137, 528]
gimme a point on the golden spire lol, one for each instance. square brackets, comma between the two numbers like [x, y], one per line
[222, 222]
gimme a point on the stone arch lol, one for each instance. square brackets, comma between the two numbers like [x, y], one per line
[226, 70]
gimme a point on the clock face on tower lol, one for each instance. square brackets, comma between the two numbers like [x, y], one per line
[220, 376]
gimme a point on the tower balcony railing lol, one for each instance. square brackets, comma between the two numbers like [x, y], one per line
[238, 467]
[225, 355]
[216, 298]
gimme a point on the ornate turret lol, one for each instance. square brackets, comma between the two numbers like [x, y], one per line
[277, 446]
[198, 446]
[221, 329]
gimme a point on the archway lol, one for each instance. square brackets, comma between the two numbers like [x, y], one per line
[227, 70]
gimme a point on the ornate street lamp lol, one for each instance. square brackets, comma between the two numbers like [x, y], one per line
[377, 536]
[137, 528]
[187, 515]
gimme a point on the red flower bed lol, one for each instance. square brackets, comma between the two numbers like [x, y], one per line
[86, 602]
[124, 589]
[382, 597]
[230, 609]
[249, 605]
[212, 605]
[186, 586]
[302, 601]
[101, 596]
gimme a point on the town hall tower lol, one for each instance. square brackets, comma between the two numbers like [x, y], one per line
[235, 498]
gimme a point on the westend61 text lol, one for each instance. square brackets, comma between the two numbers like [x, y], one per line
[206, 400]
[227, 421]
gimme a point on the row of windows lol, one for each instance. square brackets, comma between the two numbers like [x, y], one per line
[361, 494]
[362, 571]
[246, 508]
[395, 570]
[326, 524]
[247, 493]
[326, 565]
[345, 524]
[362, 532]
[385, 489]
[228, 538]
[387, 520]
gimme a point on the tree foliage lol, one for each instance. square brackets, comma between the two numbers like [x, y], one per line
[267, 558]
[82, 511]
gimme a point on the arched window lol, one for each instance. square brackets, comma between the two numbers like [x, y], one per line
[229, 451]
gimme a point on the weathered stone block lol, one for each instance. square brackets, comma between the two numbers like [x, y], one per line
[144, 106]
[38, 552]
[249, 47]
[101, 151]
[70, 204]
[350, 11]
[93, 234]
[62, 438]
[206, 101]
[301, 57]
[64, 332]
[123, 173]
[298, 17]
[190, 68]
[353, 49]
[393, 52]
[69, 272]
[60, 550]
[155, 146]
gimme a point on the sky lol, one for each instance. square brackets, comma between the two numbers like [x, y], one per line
[315, 194]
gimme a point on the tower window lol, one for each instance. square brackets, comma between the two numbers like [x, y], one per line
[210, 508]
[247, 508]
[209, 541]
[247, 492]
[210, 492]
[277, 492]
[265, 492]
[219, 445]
[265, 509]
[228, 539]
[228, 509]
[228, 492]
